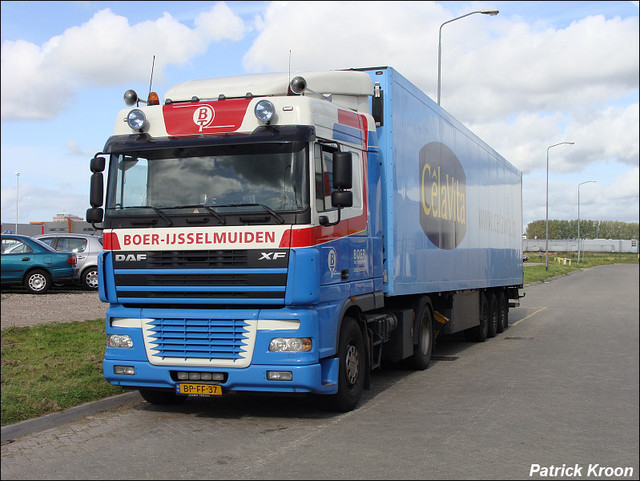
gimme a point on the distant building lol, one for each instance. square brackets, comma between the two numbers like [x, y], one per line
[60, 223]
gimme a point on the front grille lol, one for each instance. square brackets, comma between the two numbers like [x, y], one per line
[236, 277]
[199, 342]
[197, 259]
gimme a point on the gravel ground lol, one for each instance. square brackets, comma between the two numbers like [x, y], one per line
[23, 309]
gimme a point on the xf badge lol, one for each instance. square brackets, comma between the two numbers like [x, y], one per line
[272, 256]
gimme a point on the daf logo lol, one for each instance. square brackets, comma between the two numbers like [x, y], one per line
[131, 257]
[272, 256]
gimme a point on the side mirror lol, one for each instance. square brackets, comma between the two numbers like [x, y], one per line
[97, 164]
[341, 198]
[342, 170]
[94, 215]
[342, 180]
[97, 190]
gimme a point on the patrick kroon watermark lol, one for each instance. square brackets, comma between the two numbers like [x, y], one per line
[591, 470]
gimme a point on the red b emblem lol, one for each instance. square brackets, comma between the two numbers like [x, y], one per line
[203, 116]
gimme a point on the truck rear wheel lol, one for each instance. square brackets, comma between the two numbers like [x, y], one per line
[424, 348]
[351, 372]
[161, 396]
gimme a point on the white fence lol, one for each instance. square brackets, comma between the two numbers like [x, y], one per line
[586, 245]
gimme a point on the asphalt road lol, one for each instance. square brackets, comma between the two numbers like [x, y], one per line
[557, 391]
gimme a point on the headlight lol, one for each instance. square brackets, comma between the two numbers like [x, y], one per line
[119, 340]
[292, 344]
[136, 119]
[265, 111]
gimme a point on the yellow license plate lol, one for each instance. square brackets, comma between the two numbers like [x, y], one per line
[199, 389]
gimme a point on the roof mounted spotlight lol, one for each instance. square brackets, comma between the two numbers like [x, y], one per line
[137, 120]
[265, 111]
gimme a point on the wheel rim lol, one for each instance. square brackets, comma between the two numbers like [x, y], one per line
[352, 364]
[91, 279]
[37, 282]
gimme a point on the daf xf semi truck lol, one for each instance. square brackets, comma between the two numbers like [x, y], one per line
[279, 234]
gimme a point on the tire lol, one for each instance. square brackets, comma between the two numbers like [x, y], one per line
[90, 279]
[37, 281]
[423, 350]
[503, 312]
[160, 396]
[351, 372]
[479, 333]
[492, 327]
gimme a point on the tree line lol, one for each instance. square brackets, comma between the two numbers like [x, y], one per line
[589, 229]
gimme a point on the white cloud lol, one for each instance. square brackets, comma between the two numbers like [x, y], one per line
[601, 134]
[74, 149]
[592, 61]
[39, 81]
[520, 86]
[386, 33]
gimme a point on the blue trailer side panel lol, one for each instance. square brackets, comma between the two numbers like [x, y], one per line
[452, 215]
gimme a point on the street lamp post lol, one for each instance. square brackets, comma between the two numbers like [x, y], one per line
[490, 11]
[17, 198]
[581, 183]
[546, 223]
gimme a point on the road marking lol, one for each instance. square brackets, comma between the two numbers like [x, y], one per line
[530, 315]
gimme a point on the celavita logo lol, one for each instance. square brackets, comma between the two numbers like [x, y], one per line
[131, 257]
[443, 196]
[203, 116]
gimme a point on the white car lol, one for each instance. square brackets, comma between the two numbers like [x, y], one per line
[85, 246]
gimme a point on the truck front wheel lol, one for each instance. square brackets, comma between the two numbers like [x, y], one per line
[352, 365]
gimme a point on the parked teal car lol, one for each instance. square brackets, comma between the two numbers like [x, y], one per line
[34, 264]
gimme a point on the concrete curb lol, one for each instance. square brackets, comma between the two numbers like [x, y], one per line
[13, 431]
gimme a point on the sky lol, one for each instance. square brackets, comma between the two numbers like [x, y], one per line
[533, 76]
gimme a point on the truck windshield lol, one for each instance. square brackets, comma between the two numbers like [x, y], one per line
[249, 178]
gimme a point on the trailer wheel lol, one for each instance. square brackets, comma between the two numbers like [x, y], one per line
[161, 396]
[492, 327]
[479, 333]
[503, 312]
[351, 373]
[424, 348]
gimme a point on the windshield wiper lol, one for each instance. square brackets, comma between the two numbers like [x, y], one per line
[155, 209]
[195, 206]
[269, 210]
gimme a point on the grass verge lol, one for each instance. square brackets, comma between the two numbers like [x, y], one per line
[535, 273]
[51, 367]
[55, 366]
